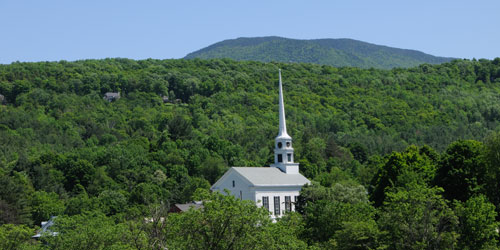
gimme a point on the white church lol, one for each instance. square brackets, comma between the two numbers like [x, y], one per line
[276, 187]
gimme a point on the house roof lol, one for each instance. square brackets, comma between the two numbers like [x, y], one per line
[45, 229]
[186, 207]
[112, 94]
[270, 176]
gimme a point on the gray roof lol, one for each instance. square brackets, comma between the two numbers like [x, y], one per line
[270, 176]
[186, 207]
[112, 94]
[45, 229]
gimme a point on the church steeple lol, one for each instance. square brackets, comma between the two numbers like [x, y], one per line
[282, 132]
[283, 150]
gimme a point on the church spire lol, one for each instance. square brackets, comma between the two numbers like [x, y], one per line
[283, 150]
[282, 132]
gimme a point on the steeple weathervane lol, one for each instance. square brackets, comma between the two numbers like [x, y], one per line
[283, 150]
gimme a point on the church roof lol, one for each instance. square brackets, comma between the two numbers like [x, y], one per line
[270, 176]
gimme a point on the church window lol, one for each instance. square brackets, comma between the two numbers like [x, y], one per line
[241, 195]
[276, 205]
[288, 144]
[280, 145]
[288, 204]
[280, 158]
[289, 156]
[233, 184]
[265, 202]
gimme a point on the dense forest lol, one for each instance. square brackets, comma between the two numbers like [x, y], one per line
[334, 52]
[399, 159]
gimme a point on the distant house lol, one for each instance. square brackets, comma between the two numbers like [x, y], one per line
[2, 98]
[165, 99]
[45, 229]
[179, 208]
[111, 96]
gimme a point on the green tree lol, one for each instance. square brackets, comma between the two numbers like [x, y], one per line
[93, 231]
[76, 172]
[148, 193]
[412, 163]
[112, 202]
[82, 203]
[461, 170]
[336, 175]
[191, 186]
[417, 217]
[339, 192]
[14, 199]
[212, 169]
[358, 152]
[478, 226]
[284, 234]
[359, 235]
[12, 236]
[492, 162]
[332, 214]
[44, 205]
[324, 218]
[223, 223]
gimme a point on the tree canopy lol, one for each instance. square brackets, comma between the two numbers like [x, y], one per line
[417, 145]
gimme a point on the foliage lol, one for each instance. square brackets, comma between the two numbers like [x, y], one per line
[324, 219]
[44, 205]
[417, 217]
[359, 235]
[366, 137]
[93, 231]
[478, 227]
[461, 171]
[400, 169]
[285, 233]
[339, 217]
[492, 161]
[12, 236]
[223, 223]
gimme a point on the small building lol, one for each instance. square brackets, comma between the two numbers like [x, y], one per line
[45, 229]
[165, 99]
[276, 187]
[111, 96]
[179, 208]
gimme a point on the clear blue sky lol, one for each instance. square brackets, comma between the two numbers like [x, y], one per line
[51, 30]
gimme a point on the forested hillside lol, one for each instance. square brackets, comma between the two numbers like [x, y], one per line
[333, 52]
[400, 159]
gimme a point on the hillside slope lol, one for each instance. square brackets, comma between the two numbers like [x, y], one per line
[66, 151]
[333, 52]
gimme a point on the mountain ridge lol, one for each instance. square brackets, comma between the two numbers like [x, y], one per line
[338, 52]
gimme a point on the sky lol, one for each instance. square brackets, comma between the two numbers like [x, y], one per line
[53, 30]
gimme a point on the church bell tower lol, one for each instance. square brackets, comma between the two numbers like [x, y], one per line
[283, 150]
